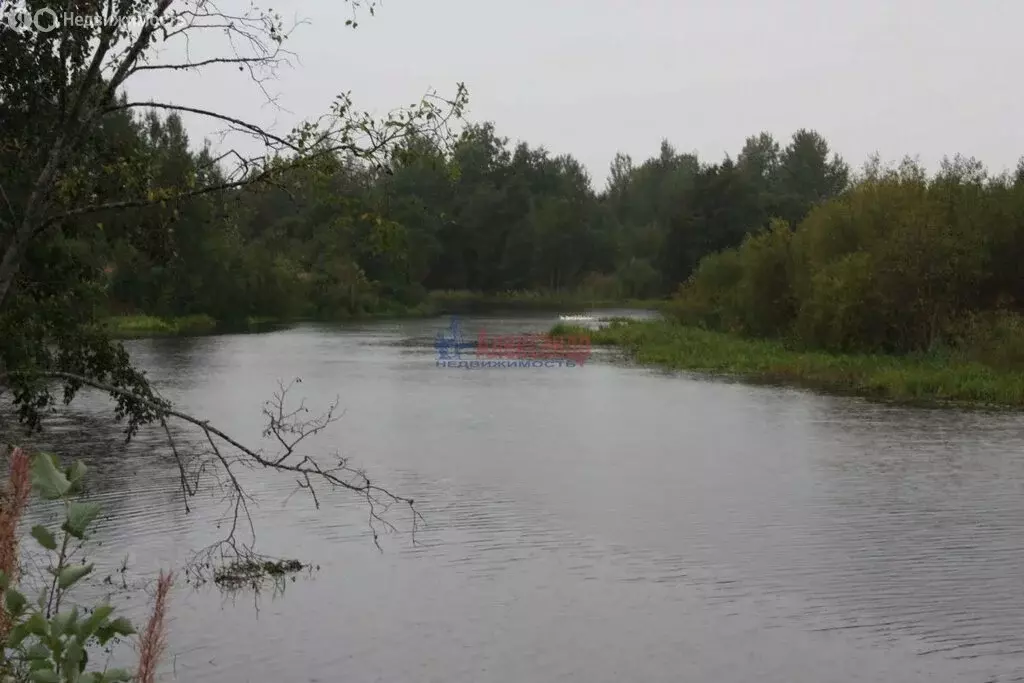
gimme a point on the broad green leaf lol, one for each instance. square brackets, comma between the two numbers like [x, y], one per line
[73, 656]
[44, 676]
[37, 625]
[17, 635]
[80, 516]
[118, 627]
[47, 480]
[71, 575]
[96, 619]
[122, 627]
[77, 471]
[73, 623]
[91, 677]
[15, 601]
[56, 644]
[58, 624]
[118, 676]
[44, 537]
[38, 651]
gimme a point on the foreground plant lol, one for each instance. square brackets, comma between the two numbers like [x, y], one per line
[48, 640]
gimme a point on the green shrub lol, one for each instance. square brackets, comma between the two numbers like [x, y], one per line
[47, 640]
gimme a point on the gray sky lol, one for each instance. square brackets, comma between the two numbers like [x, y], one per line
[593, 77]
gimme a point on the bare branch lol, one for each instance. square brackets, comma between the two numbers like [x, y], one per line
[184, 66]
[269, 139]
[290, 428]
[186, 490]
[139, 203]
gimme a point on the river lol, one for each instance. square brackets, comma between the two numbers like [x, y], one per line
[602, 523]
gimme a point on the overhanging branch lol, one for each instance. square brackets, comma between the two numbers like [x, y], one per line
[281, 425]
[268, 138]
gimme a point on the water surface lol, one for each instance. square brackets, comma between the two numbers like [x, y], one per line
[601, 523]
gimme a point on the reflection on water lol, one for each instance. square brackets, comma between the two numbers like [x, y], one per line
[597, 523]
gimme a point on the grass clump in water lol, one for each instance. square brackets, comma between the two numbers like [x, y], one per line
[252, 570]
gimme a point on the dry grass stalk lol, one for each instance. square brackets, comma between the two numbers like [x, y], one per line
[153, 641]
[12, 505]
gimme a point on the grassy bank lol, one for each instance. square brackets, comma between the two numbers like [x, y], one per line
[924, 379]
[130, 326]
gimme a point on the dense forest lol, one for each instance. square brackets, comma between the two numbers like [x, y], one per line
[780, 241]
[344, 237]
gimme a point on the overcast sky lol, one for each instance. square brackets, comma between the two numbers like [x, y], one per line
[593, 77]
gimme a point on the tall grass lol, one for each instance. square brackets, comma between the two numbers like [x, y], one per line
[15, 498]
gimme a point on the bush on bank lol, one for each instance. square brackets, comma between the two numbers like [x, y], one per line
[899, 263]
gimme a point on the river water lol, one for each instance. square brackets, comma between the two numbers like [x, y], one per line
[602, 523]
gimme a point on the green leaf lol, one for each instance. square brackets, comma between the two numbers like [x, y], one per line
[38, 651]
[15, 601]
[47, 480]
[58, 624]
[71, 575]
[91, 677]
[96, 619]
[44, 537]
[118, 675]
[37, 625]
[17, 634]
[73, 656]
[44, 676]
[103, 635]
[80, 516]
[72, 625]
[56, 645]
[118, 627]
[77, 471]
[122, 627]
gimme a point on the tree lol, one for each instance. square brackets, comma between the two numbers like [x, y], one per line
[760, 158]
[72, 164]
[808, 176]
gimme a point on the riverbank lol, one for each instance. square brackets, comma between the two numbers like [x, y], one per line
[449, 302]
[127, 326]
[923, 379]
[134, 326]
[435, 304]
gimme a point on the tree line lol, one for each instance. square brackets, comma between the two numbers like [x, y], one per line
[345, 237]
[780, 241]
